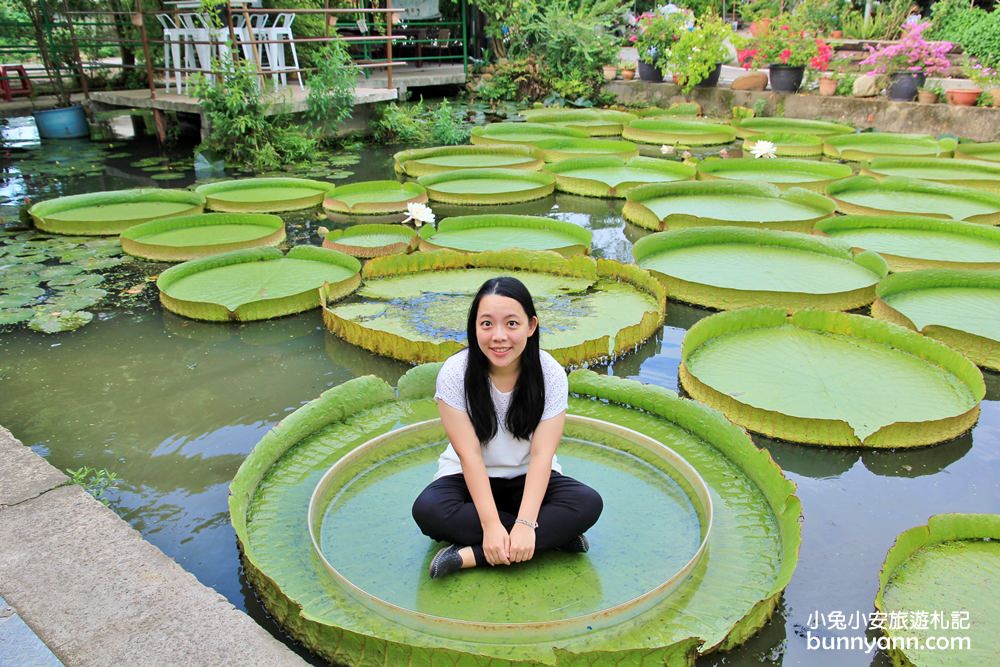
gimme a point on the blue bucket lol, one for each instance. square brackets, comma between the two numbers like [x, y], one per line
[66, 123]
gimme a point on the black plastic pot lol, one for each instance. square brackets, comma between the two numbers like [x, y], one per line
[785, 78]
[903, 85]
[712, 80]
[649, 72]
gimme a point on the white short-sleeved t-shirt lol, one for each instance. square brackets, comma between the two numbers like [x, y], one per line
[504, 455]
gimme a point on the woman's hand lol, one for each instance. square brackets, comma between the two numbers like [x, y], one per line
[496, 544]
[522, 543]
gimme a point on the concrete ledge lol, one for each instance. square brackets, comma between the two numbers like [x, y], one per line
[977, 123]
[98, 594]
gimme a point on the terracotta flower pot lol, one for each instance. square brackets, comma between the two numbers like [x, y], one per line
[628, 74]
[926, 97]
[610, 72]
[836, 34]
[827, 86]
[965, 97]
[995, 94]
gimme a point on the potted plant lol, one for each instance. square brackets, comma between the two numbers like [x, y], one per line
[907, 63]
[963, 97]
[696, 58]
[627, 68]
[986, 78]
[653, 34]
[786, 51]
[828, 85]
[928, 94]
[610, 72]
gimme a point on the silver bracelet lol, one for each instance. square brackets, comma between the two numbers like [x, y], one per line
[530, 524]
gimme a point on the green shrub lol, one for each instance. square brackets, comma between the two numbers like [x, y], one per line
[447, 129]
[331, 87]
[401, 124]
[975, 30]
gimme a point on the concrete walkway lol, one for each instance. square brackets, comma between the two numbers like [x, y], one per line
[95, 593]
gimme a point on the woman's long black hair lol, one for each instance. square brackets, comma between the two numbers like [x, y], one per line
[528, 400]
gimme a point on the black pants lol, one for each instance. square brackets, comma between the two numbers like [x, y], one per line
[445, 511]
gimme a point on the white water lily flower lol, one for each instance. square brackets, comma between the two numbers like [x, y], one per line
[686, 155]
[419, 214]
[667, 150]
[724, 153]
[322, 231]
[765, 149]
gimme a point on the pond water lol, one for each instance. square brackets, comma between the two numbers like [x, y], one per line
[173, 406]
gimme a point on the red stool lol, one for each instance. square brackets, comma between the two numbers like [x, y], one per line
[9, 74]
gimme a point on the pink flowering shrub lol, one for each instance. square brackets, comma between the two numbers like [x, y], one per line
[912, 54]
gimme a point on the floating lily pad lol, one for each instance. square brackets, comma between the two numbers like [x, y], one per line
[862, 147]
[595, 122]
[703, 203]
[24, 275]
[476, 233]
[893, 194]
[257, 283]
[79, 298]
[98, 263]
[754, 539]
[108, 213]
[19, 296]
[787, 145]
[371, 240]
[959, 308]
[750, 127]
[263, 195]
[46, 320]
[912, 242]
[521, 133]
[963, 173]
[59, 272]
[488, 186]
[374, 197]
[80, 280]
[148, 162]
[675, 109]
[192, 236]
[344, 160]
[733, 267]
[169, 176]
[554, 150]
[15, 315]
[988, 152]
[423, 161]
[613, 176]
[414, 307]
[782, 172]
[950, 567]
[830, 379]
[673, 132]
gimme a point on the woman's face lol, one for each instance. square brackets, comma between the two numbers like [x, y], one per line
[502, 330]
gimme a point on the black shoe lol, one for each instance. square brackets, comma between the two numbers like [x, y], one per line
[446, 561]
[578, 545]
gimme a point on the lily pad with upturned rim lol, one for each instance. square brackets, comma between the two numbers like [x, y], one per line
[521, 133]
[818, 128]
[108, 213]
[865, 195]
[673, 132]
[257, 283]
[827, 378]
[418, 162]
[263, 195]
[869, 145]
[482, 187]
[371, 240]
[595, 122]
[612, 176]
[705, 203]
[987, 152]
[554, 150]
[478, 233]
[914, 242]
[189, 237]
[734, 267]
[374, 197]
[950, 566]
[959, 308]
[782, 172]
[787, 145]
[961, 173]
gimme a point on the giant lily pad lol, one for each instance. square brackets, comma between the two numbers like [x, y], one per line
[753, 541]
[258, 283]
[784, 173]
[862, 147]
[670, 131]
[521, 133]
[912, 242]
[675, 109]
[963, 173]
[959, 308]
[554, 150]
[949, 568]
[830, 379]
[488, 186]
[734, 267]
[374, 197]
[612, 176]
[414, 307]
[106, 213]
[371, 240]
[703, 203]
[423, 161]
[750, 127]
[988, 152]
[476, 233]
[894, 194]
[49, 320]
[264, 195]
[787, 144]
[595, 122]
[188, 237]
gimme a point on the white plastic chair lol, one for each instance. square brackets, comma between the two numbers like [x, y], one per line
[280, 30]
[201, 53]
[172, 38]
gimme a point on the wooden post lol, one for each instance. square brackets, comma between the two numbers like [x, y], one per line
[145, 50]
[76, 51]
